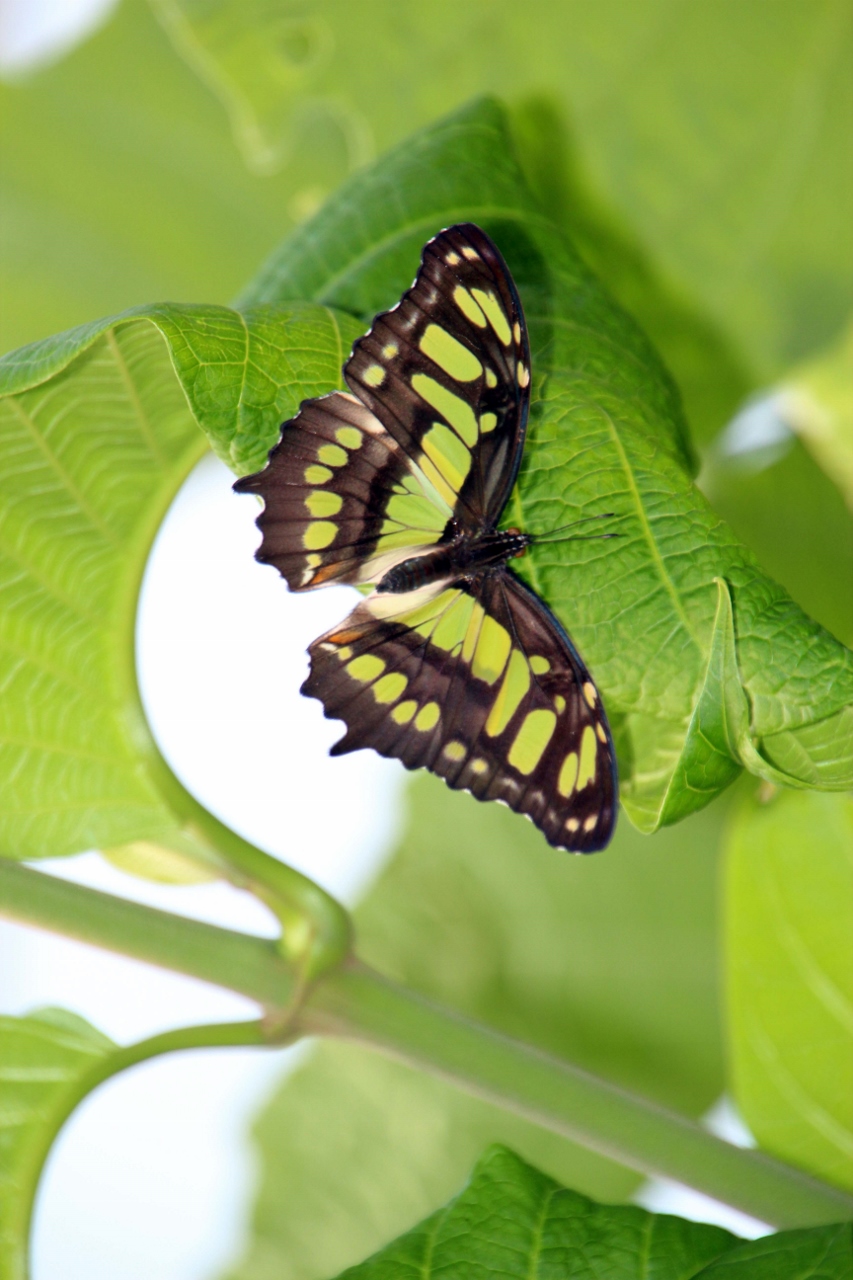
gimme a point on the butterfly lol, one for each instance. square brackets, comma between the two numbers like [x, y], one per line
[451, 662]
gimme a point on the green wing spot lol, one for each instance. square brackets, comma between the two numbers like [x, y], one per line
[317, 475]
[453, 623]
[438, 482]
[539, 665]
[493, 646]
[468, 307]
[449, 454]
[531, 740]
[589, 752]
[365, 667]
[321, 533]
[488, 422]
[450, 354]
[349, 437]
[428, 717]
[568, 775]
[454, 410]
[389, 688]
[322, 503]
[472, 635]
[415, 512]
[404, 711]
[516, 683]
[422, 620]
[495, 313]
[332, 455]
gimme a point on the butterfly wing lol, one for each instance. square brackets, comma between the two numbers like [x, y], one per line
[433, 433]
[342, 501]
[447, 373]
[479, 683]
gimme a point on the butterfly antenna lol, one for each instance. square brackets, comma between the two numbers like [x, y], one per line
[551, 536]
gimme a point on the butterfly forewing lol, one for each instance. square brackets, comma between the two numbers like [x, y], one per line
[478, 683]
[434, 432]
[447, 372]
[341, 497]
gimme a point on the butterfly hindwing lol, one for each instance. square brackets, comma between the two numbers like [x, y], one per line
[478, 683]
[433, 433]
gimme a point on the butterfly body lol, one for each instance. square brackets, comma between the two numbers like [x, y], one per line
[451, 662]
[460, 558]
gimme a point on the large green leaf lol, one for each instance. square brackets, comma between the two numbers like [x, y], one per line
[98, 427]
[717, 133]
[44, 1059]
[477, 912]
[606, 433]
[789, 965]
[513, 1221]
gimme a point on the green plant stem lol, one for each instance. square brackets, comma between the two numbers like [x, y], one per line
[316, 929]
[360, 1004]
[213, 1035]
[357, 1003]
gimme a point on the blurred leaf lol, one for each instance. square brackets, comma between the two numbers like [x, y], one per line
[261, 60]
[606, 432]
[816, 399]
[44, 1057]
[356, 1148]
[121, 184]
[789, 964]
[513, 1221]
[711, 374]
[717, 134]
[96, 435]
[794, 519]
[477, 912]
[818, 1253]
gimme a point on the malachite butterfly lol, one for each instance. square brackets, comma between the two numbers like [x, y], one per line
[450, 663]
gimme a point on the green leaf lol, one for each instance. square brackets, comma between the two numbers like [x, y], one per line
[475, 911]
[606, 433]
[717, 134]
[789, 977]
[43, 1059]
[513, 1221]
[98, 427]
